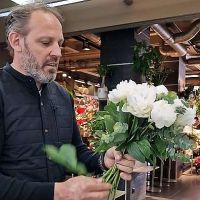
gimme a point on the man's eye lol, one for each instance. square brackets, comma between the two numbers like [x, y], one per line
[45, 43]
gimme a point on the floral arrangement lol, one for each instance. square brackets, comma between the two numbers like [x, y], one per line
[144, 121]
[80, 113]
[85, 108]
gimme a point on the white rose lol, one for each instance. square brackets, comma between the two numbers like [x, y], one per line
[163, 114]
[161, 89]
[178, 103]
[121, 91]
[140, 101]
[187, 119]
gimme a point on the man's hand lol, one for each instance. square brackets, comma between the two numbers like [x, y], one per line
[124, 163]
[81, 188]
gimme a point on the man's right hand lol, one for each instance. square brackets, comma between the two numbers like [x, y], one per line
[81, 188]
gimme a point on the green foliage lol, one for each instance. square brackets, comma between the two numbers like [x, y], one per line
[158, 74]
[198, 107]
[103, 70]
[188, 91]
[148, 61]
[145, 57]
[123, 130]
[170, 97]
[66, 157]
[137, 136]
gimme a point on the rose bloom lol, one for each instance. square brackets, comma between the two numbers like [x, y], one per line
[121, 91]
[186, 119]
[178, 103]
[80, 110]
[140, 101]
[80, 121]
[161, 89]
[163, 114]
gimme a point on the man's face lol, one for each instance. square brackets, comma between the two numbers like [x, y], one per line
[41, 47]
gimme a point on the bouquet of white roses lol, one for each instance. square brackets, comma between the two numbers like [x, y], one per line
[144, 121]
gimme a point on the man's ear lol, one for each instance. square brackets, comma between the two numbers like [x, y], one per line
[15, 40]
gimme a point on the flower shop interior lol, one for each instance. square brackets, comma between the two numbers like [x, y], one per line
[109, 41]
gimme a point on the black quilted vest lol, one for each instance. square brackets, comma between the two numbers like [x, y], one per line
[30, 121]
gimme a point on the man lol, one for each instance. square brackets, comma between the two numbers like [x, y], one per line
[35, 111]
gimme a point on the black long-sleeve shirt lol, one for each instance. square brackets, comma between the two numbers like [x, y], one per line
[28, 121]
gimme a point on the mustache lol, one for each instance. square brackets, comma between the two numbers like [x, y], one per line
[51, 62]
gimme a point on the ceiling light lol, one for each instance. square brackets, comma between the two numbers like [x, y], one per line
[22, 2]
[64, 75]
[4, 14]
[61, 3]
[86, 46]
[54, 3]
[192, 76]
[80, 81]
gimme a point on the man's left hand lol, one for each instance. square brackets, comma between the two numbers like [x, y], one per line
[125, 163]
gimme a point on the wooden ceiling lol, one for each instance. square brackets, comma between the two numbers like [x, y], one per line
[82, 64]
[176, 17]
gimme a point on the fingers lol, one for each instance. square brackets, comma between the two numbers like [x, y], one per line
[125, 168]
[103, 195]
[117, 155]
[125, 176]
[92, 184]
[128, 157]
[126, 164]
[99, 187]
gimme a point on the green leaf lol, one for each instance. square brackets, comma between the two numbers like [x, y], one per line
[101, 147]
[52, 152]
[81, 169]
[134, 151]
[123, 117]
[145, 148]
[161, 145]
[134, 125]
[109, 122]
[121, 147]
[68, 153]
[120, 127]
[111, 108]
[65, 156]
[120, 137]
[101, 114]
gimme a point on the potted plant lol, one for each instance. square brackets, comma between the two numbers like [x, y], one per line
[102, 70]
[148, 62]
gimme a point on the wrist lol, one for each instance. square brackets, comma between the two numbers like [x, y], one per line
[102, 162]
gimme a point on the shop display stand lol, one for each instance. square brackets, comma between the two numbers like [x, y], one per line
[152, 187]
[128, 190]
[161, 174]
[168, 181]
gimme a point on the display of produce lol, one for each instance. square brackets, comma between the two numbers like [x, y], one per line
[85, 108]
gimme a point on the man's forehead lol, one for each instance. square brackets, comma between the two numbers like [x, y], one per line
[43, 17]
[41, 21]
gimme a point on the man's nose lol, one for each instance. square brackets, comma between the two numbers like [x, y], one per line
[56, 51]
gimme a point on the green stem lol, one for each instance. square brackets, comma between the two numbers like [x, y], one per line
[145, 129]
[112, 176]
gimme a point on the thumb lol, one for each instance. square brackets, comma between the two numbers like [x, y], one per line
[117, 155]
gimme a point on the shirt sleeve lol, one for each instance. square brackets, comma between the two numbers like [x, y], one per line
[85, 155]
[12, 188]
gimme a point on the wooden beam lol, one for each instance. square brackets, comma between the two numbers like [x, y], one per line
[81, 55]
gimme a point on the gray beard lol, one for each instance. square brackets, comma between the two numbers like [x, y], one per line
[33, 69]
